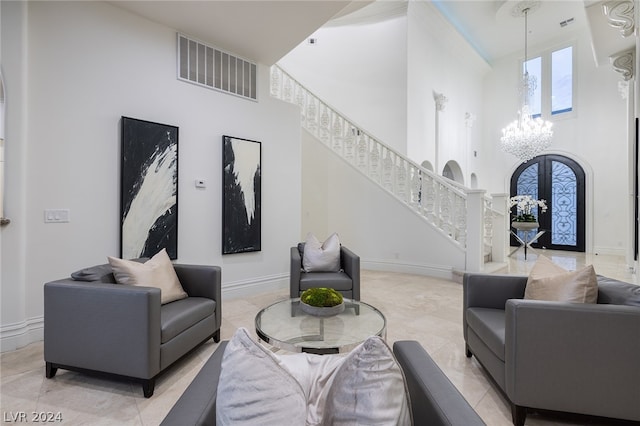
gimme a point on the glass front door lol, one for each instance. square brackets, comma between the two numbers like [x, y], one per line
[560, 181]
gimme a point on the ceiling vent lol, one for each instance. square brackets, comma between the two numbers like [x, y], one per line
[566, 22]
[212, 68]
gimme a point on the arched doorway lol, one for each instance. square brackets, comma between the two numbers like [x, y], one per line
[427, 165]
[453, 171]
[561, 182]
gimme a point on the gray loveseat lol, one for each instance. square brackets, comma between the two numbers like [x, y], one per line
[93, 324]
[434, 399]
[569, 357]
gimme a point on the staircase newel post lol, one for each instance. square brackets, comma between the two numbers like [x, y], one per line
[475, 230]
[501, 226]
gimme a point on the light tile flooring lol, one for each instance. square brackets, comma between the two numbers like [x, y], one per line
[424, 309]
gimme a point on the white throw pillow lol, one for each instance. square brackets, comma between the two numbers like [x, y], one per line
[321, 257]
[368, 389]
[259, 387]
[155, 272]
[254, 389]
[548, 281]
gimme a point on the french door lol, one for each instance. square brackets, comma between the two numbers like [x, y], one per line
[560, 181]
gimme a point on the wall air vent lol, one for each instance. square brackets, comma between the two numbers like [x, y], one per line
[212, 68]
[566, 22]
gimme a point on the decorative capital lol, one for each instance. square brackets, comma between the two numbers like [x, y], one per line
[620, 15]
[623, 88]
[624, 63]
[469, 119]
[441, 100]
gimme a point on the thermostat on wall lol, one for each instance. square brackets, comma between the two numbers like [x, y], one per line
[201, 183]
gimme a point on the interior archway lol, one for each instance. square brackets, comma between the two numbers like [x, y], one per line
[474, 181]
[453, 171]
[427, 165]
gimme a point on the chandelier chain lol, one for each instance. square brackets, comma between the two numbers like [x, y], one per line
[526, 137]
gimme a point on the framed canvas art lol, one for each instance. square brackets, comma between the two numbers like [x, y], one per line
[241, 195]
[149, 189]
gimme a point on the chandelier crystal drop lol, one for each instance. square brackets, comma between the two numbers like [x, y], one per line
[526, 137]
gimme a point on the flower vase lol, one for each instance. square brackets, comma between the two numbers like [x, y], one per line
[525, 226]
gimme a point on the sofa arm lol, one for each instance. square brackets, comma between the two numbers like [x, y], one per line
[294, 277]
[350, 262]
[580, 358]
[105, 327]
[197, 405]
[434, 399]
[491, 291]
[202, 281]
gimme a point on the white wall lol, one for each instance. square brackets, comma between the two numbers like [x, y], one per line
[441, 61]
[85, 65]
[596, 137]
[361, 70]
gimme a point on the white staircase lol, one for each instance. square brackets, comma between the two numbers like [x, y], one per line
[463, 215]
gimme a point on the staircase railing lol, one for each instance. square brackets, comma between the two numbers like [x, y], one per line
[440, 201]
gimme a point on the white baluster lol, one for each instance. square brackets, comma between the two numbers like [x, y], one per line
[338, 132]
[362, 152]
[275, 82]
[387, 170]
[349, 144]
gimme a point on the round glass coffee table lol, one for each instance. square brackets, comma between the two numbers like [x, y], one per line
[285, 326]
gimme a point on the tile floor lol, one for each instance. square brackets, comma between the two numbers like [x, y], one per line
[424, 309]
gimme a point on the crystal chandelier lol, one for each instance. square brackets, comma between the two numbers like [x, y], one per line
[526, 137]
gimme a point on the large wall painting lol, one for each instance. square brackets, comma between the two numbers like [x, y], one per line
[241, 195]
[149, 189]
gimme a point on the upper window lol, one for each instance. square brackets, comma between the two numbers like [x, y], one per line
[552, 93]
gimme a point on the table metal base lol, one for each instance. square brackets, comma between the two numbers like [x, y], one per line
[526, 243]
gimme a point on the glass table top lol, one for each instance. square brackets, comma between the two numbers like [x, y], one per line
[286, 326]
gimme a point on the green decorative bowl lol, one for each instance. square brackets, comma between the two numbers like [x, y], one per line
[322, 302]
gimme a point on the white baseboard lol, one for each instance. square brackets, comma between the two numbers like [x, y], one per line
[437, 271]
[17, 335]
[253, 286]
[610, 251]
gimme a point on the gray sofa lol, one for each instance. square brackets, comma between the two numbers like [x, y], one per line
[568, 357]
[434, 399]
[93, 324]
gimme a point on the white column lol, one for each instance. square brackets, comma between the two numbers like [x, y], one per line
[501, 227]
[475, 230]
[440, 101]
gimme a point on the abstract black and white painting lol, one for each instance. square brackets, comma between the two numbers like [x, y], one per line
[149, 189]
[241, 195]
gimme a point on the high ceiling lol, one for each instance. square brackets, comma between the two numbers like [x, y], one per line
[266, 30]
[259, 30]
[494, 31]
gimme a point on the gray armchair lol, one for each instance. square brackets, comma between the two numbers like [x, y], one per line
[570, 357]
[97, 325]
[346, 281]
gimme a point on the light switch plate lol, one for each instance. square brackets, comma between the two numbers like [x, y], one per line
[56, 215]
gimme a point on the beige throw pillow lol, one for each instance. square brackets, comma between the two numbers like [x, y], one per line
[321, 257]
[548, 281]
[155, 272]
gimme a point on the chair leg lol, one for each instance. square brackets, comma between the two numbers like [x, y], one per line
[148, 387]
[216, 336]
[50, 370]
[518, 414]
[467, 351]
